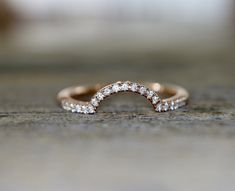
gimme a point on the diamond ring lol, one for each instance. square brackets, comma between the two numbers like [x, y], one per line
[176, 96]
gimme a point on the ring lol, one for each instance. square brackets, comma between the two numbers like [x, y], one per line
[162, 97]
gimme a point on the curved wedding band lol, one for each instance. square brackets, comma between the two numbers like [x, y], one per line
[69, 97]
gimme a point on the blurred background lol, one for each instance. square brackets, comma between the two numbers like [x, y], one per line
[115, 31]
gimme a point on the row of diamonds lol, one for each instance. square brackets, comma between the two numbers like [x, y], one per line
[78, 108]
[168, 106]
[122, 87]
[89, 108]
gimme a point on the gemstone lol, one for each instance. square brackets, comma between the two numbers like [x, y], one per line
[100, 96]
[66, 106]
[134, 87]
[84, 109]
[72, 107]
[172, 106]
[165, 106]
[78, 108]
[94, 102]
[155, 99]
[142, 90]
[159, 107]
[107, 91]
[176, 104]
[91, 109]
[150, 93]
[116, 88]
[125, 86]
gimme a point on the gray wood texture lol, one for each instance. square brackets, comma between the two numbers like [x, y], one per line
[126, 145]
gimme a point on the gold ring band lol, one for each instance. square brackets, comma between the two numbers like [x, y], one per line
[70, 101]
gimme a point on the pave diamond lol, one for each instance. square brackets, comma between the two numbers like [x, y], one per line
[107, 91]
[116, 88]
[78, 109]
[172, 106]
[159, 107]
[125, 86]
[150, 93]
[176, 104]
[165, 106]
[66, 106]
[85, 109]
[100, 96]
[73, 107]
[134, 87]
[91, 109]
[94, 102]
[155, 99]
[142, 90]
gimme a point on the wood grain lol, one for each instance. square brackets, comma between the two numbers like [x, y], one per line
[126, 145]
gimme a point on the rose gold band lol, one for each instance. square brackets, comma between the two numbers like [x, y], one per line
[175, 96]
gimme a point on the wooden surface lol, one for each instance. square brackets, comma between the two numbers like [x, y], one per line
[126, 145]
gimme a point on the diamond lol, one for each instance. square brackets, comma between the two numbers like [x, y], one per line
[91, 109]
[84, 109]
[159, 107]
[172, 106]
[150, 93]
[165, 106]
[100, 96]
[94, 102]
[155, 99]
[134, 87]
[176, 104]
[73, 107]
[142, 90]
[107, 91]
[78, 109]
[125, 86]
[66, 106]
[116, 88]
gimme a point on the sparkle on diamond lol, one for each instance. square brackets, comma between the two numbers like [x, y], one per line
[125, 86]
[94, 102]
[142, 90]
[150, 94]
[100, 96]
[134, 87]
[165, 106]
[116, 88]
[155, 99]
[107, 91]
[159, 107]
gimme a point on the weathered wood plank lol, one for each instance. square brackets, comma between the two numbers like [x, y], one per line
[126, 145]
